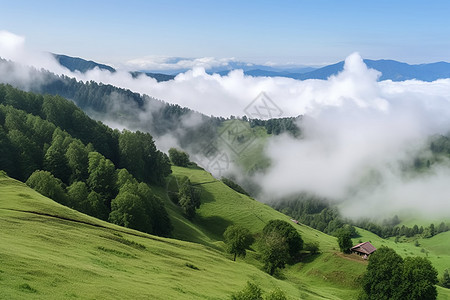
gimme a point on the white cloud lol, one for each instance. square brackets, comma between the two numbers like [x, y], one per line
[357, 129]
[156, 63]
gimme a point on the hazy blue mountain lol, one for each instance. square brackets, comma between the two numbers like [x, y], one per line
[79, 64]
[390, 69]
[274, 72]
[158, 76]
[248, 68]
[82, 65]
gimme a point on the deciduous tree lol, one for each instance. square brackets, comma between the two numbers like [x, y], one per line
[275, 252]
[46, 184]
[237, 239]
[288, 233]
[344, 241]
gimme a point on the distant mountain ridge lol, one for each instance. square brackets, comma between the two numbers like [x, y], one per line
[82, 65]
[390, 69]
[79, 64]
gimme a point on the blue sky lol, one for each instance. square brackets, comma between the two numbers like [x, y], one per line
[301, 32]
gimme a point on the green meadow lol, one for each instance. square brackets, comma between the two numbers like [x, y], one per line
[49, 251]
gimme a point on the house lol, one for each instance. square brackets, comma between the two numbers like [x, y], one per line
[363, 249]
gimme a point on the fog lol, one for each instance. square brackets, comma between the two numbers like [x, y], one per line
[358, 133]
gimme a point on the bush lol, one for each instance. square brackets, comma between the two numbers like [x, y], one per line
[250, 292]
[312, 247]
[276, 294]
[445, 280]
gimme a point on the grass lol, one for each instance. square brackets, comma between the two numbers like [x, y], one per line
[70, 255]
[48, 251]
[221, 206]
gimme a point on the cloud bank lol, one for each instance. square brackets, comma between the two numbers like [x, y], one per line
[358, 133]
[158, 63]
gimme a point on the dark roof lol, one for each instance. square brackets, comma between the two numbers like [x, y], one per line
[366, 248]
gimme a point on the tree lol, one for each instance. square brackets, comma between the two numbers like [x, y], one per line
[28, 154]
[102, 176]
[188, 198]
[442, 227]
[128, 210]
[178, 158]
[415, 229]
[124, 177]
[288, 233]
[55, 160]
[237, 239]
[95, 206]
[275, 252]
[155, 210]
[77, 193]
[46, 184]
[250, 292]
[445, 281]
[344, 241]
[432, 230]
[131, 154]
[383, 275]
[7, 157]
[77, 160]
[388, 276]
[418, 280]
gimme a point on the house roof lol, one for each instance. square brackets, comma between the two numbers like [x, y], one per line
[366, 248]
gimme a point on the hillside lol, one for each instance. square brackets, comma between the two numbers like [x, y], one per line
[52, 252]
[59, 252]
[326, 275]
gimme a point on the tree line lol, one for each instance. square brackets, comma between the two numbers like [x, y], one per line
[319, 214]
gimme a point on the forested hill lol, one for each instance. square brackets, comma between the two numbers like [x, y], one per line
[58, 150]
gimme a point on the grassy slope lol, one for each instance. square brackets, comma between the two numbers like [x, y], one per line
[81, 257]
[50, 251]
[44, 256]
[221, 206]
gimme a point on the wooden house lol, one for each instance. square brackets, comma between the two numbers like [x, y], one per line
[363, 249]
